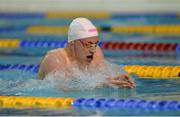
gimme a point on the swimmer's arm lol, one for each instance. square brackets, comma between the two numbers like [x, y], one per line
[123, 80]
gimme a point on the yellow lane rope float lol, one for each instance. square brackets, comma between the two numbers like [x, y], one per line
[94, 15]
[47, 29]
[155, 29]
[34, 102]
[153, 71]
[9, 43]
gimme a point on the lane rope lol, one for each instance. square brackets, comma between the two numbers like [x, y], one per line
[61, 102]
[142, 71]
[108, 45]
[34, 102]
[127, 103]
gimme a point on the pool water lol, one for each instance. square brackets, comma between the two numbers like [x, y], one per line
[25, 83]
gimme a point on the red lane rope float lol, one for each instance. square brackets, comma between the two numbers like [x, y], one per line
[139, 46]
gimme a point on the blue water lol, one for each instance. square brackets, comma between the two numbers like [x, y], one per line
[16, 82]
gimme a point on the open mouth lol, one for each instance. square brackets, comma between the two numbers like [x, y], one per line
[89, 58]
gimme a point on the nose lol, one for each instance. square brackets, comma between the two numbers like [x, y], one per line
[92, 50]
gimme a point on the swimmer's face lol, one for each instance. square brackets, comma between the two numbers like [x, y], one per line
[86, 48]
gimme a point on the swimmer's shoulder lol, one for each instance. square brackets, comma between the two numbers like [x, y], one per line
[52, 54]
[58, 54]
[55, 52]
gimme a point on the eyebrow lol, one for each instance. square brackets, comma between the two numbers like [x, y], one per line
[93, 43]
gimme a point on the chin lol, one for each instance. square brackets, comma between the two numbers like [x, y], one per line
[88, 62]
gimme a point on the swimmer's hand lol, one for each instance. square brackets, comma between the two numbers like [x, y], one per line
[121, 81]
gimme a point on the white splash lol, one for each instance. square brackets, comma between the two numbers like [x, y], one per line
[26, 84]
[86, 79]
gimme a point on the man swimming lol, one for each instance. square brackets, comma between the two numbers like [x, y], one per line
[82, 49]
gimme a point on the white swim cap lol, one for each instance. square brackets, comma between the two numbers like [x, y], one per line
[81, 28]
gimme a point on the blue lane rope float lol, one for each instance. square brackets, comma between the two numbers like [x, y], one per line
[42, 43]
[31, 67]
[21, 15]
[178, 48]
[127, 103]
[12, 29]
[178, 52]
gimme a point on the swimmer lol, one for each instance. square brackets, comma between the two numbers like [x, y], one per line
[82, 49]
